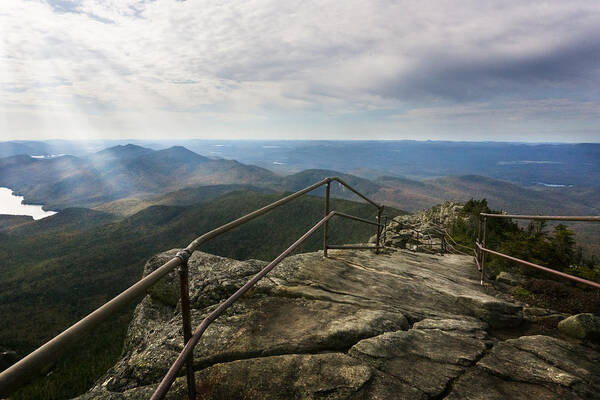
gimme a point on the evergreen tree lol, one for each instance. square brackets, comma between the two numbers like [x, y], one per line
[563, 246]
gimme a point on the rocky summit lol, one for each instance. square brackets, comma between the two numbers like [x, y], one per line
[356, 325]
[423, 231]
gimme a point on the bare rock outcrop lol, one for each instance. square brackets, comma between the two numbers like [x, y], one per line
[356, 325]
[422, 231]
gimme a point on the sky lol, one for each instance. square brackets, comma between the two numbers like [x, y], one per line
[441, 70]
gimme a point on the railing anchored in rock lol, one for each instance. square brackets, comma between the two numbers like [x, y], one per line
[481, 250]
[30, 366]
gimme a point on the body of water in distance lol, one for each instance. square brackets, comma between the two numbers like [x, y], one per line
[13, 205]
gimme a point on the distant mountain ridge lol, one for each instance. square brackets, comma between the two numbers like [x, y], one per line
[415, 195]
[120, 172]
[526, 164]
[124, 178]
[121, 152]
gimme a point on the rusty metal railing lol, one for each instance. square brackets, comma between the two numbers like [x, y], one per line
[481, 250]
[185, 356]
[30, 366]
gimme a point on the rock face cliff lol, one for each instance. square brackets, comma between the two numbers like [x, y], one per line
[356, 325]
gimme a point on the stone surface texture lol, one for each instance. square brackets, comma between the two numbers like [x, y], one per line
[581, 326]
[422, 231]
[356, 325]
[511, 279]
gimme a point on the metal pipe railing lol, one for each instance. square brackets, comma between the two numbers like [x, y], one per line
[25, 369]
[187, 351]
[186, 355]
[540, 267]
[477, 260]
[326, 226]
[481, 246]
[544, 217]
[30, 366]
[366, 221]
[352, 247]
[340, 180]
[242, 220]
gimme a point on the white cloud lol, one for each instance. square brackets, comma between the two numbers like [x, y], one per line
[208, 68]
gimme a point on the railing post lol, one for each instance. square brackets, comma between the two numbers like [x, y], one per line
[325, 226]
[379, 228]
[418, 240]
[484, 244]
[184, 291]
[478, 241]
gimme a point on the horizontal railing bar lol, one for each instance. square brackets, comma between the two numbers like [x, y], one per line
[545, 217]
[169, 378]
[233, 224]
[562, 274]
[351, 247]
[335, 178]
[207, 236]
[25, 369]
[366, 221]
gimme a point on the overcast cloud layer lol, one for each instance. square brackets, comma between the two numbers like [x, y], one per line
[457, 70]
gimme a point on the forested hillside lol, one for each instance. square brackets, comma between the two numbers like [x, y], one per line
[52, 277]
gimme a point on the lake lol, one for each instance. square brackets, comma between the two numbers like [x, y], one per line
[13, 205]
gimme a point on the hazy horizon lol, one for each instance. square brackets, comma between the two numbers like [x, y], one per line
[182, 139]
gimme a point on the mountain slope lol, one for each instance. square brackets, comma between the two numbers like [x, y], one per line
[412, 195]
[11, 221]
[120, 152]
[83, 269]
[501, 195]
[134, 173]
[13, 148]
[306, 178]
[68, 220]
[120, 172]
[182, 197]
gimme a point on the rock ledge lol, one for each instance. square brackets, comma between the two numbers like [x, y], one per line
[357, 325]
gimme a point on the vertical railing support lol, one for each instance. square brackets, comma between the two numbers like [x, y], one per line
[379, 228]
[418, 241]
[325, 226]
[478, 241]
[184, 291]
[484, 244]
